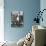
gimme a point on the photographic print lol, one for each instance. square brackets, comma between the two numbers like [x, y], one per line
[17, 18]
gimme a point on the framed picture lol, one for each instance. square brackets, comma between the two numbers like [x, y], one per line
[17, 18]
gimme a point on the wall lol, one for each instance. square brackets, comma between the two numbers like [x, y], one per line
[43, 6]
[29, 7]
[1, 21]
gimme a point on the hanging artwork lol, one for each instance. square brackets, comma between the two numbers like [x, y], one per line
[17, 18]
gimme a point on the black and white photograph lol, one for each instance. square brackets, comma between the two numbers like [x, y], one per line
[17, 18]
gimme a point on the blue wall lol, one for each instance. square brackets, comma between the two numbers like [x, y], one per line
[29, 7]
[43, 6]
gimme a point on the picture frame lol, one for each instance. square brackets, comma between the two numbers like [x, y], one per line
[17, 18]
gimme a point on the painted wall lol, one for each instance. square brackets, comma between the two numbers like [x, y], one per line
[43, 6]
[30, 7]
[1, 20]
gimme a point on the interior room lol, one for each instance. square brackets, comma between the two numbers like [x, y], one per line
[22, 23]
